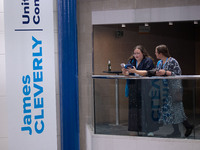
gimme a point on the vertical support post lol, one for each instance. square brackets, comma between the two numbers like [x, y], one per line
[68, 74]
[194, 105]
[117, 100]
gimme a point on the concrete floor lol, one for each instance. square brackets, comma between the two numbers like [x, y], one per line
[122, 129]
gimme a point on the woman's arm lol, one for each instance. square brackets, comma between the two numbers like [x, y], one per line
[148, 64]
[172, 69]
[139, 72]
[163, 72]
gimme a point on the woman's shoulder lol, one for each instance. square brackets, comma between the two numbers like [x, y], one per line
[148, 59]
[173, 60]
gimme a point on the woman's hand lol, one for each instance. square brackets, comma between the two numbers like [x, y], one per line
[125, 72]
[132, 70]
[161, 72]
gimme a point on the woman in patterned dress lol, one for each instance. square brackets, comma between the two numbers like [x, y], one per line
[172, 110]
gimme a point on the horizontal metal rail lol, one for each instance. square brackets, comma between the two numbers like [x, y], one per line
[185, 77]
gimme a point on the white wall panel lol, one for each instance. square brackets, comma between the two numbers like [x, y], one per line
[3, 143]
[2, 77]
[4, 119]
[1, 22]
[2, 44]
[143, 15]
[112, 142]
[3, 101]
[175, 13]
[1, 6]
[25, 43]
[146, 15]
[113, 16]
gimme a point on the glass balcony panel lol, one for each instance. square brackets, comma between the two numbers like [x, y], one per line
[155, 107]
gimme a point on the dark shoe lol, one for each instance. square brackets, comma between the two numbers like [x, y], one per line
[189, 131]
[174, 134]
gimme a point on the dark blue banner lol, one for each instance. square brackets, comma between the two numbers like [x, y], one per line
[68, 70]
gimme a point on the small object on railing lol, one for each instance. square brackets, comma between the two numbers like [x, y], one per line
[123, 65]
[109, 65]
[126, 66]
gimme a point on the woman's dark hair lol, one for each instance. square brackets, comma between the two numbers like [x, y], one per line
[142, 49]
[163, 49]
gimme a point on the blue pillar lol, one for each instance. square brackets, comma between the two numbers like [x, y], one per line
[68, 70]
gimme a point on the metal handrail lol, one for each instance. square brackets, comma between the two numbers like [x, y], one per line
[186, 77]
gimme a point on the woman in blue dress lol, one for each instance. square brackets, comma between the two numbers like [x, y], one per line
[142, 61]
